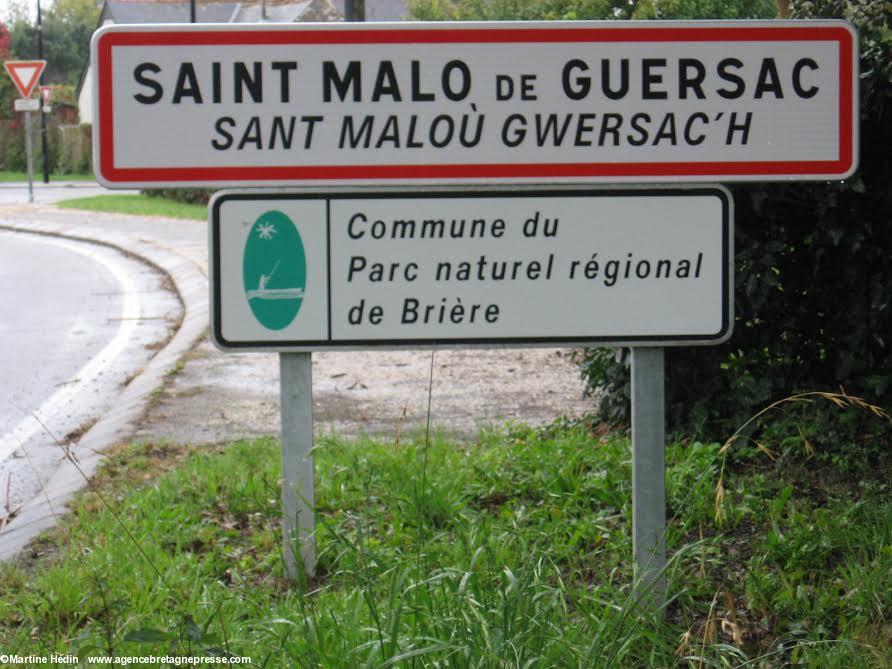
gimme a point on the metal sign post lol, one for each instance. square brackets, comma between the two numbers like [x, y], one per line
[500, 103]
[298, 521]
[25, 74]
[27, 105]
[301, 272]
[29, 151]
[649, 474]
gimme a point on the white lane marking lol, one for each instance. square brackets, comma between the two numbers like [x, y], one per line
[89, 374]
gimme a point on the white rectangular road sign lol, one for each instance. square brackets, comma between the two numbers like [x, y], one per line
[304, 271]
[347, 104]
[26, 104]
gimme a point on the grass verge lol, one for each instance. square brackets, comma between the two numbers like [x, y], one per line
[137, 205]
[513, 551]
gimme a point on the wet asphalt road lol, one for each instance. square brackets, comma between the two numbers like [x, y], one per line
[17, 193]
[223, 397]
[77, 322]
[59, 309]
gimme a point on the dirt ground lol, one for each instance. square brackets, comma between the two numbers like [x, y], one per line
[217, 396]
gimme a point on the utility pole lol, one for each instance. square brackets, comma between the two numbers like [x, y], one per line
[191, 11]
[46, 158]
[354, 10]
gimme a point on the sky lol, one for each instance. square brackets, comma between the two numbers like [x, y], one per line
[5, 6]
[29, 5]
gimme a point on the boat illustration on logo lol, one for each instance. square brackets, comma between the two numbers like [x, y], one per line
[274, 270]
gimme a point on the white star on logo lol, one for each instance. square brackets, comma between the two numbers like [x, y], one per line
[266, 230]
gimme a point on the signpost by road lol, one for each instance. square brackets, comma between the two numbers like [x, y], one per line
[300, 272]
[46, 94]
[310, 271]
[483, 105]
[494, 103]
[26, 104]
[25, 74]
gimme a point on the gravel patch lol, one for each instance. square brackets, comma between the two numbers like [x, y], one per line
[217, 396]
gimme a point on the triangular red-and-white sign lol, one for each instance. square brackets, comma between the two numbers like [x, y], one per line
[46, 92]
[25, 74]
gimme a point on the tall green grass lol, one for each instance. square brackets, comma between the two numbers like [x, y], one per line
[518, 554]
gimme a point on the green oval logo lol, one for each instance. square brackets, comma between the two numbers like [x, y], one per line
[274, 269]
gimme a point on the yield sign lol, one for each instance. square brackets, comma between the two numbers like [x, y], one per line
[25, 74]
[46, 92]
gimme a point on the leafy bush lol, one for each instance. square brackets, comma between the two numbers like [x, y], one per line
[12, 146]
[73, 152]
[699, 9]
[812, 295]
[552, 10]
[69, 147]
[520, 10]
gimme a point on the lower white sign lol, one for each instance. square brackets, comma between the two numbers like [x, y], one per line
[310, 271]
[26, 105]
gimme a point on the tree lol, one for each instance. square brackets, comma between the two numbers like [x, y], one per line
[4, 41]
[67, 28]
[517, 10]
[8, 91]
[550, 10]
[704, 9]
[77, 11]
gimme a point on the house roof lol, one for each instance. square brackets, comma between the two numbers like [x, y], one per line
[287, 12]
[247, 11]
[121, 11]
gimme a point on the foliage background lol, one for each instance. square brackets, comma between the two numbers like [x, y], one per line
[553, 10]
[812, 284]
[813, 274]
[67, 28]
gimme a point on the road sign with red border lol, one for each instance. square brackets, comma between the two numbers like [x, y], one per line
[46, 92]
[25, 74]
[416, 103]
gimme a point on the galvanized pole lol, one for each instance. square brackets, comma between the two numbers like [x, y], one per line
[29, 153]
[46, 159]
[298, 521]
[649, 473]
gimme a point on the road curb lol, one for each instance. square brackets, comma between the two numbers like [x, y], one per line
[190, 284]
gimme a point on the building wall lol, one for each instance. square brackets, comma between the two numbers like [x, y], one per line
[85, 99]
